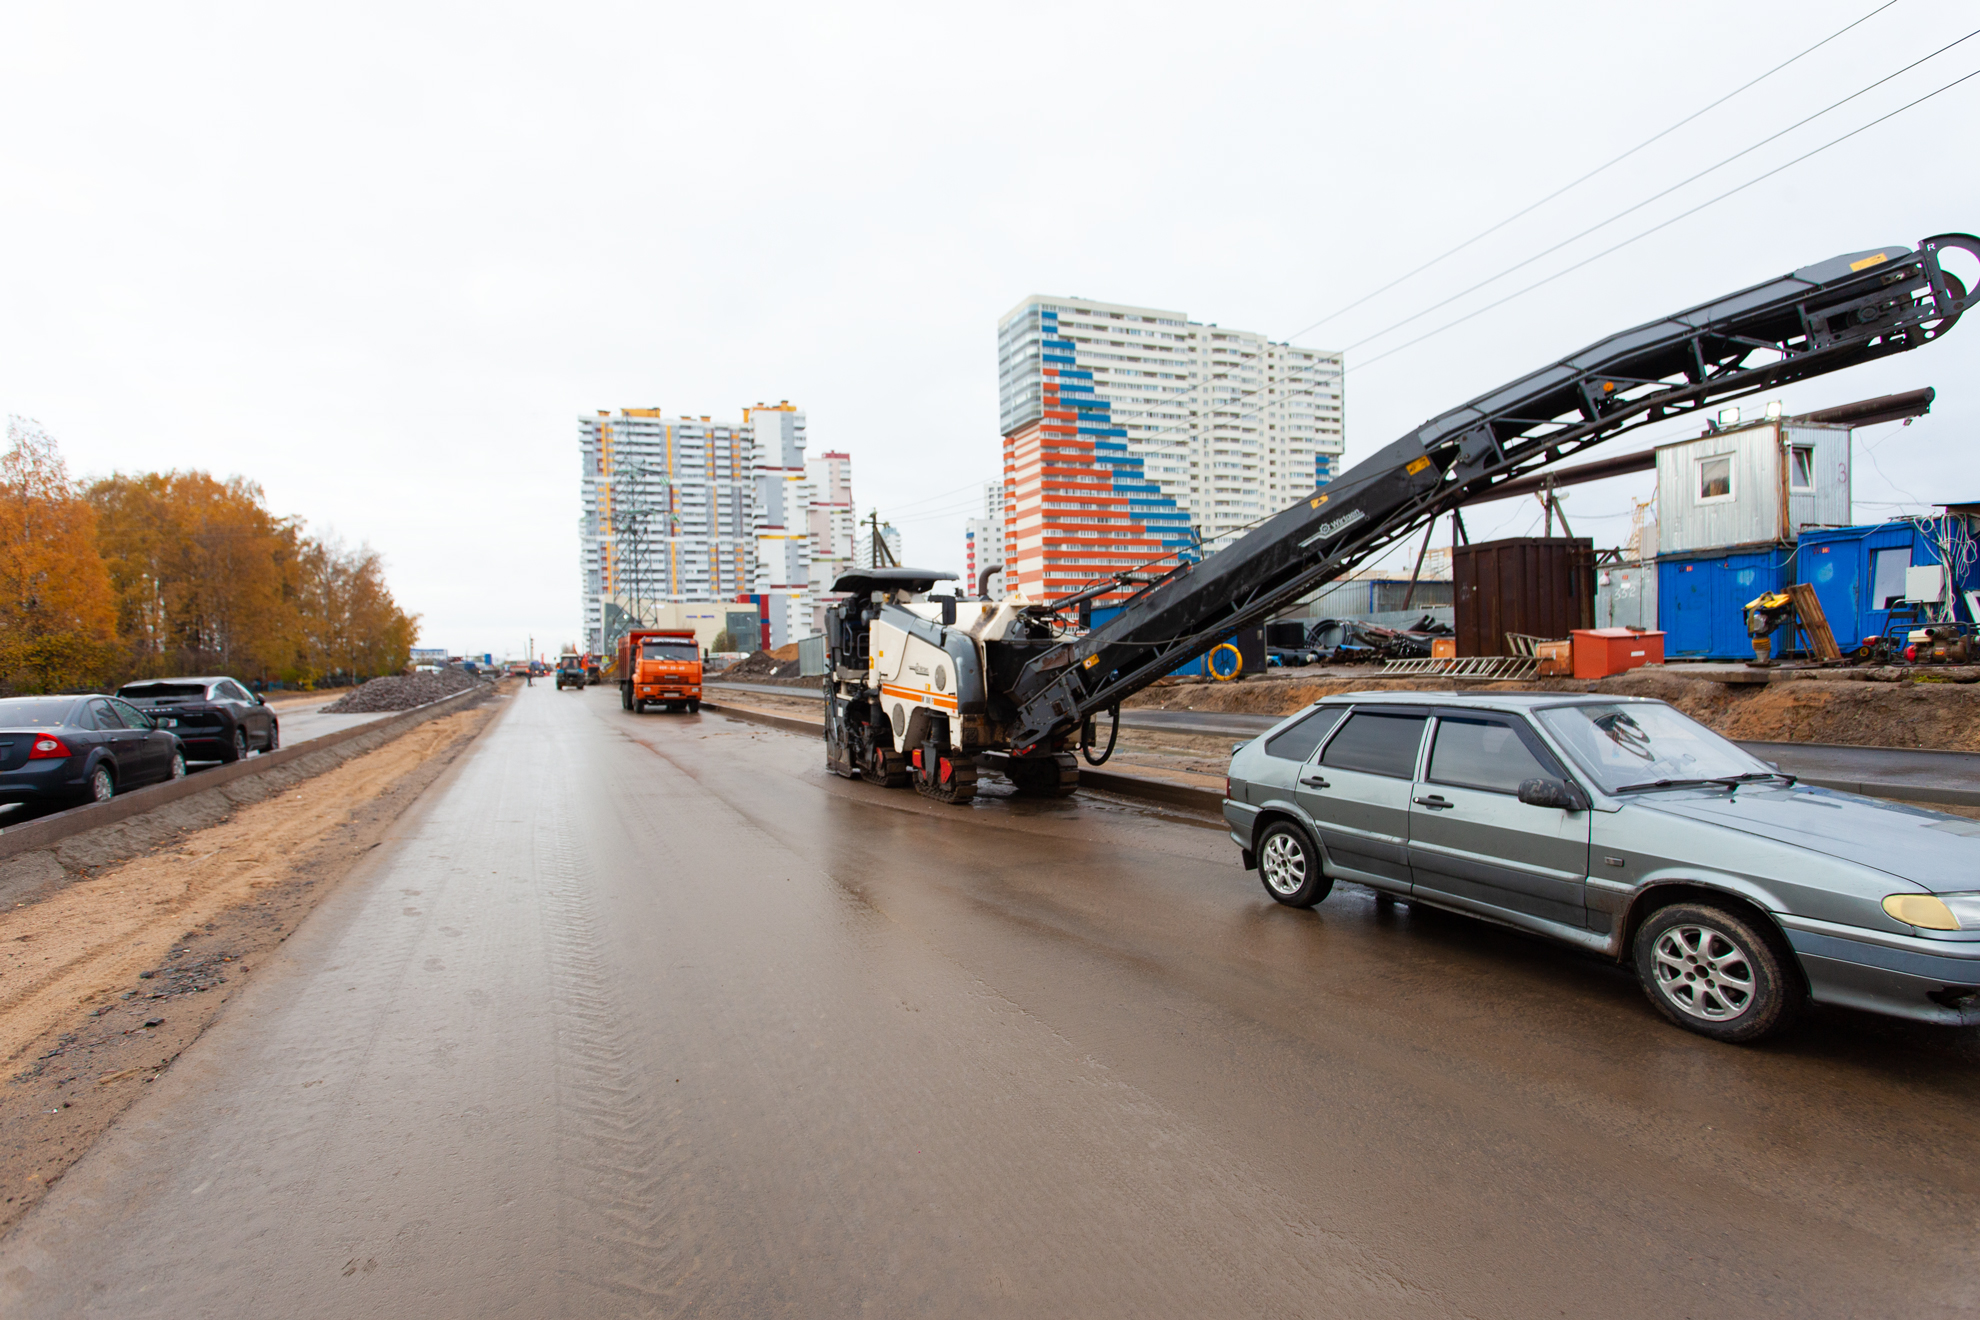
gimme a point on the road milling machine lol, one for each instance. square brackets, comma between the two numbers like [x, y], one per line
[934, 689]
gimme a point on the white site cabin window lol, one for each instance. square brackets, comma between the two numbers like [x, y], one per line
[1887, 577]
[1715, 479]
[1801, 467]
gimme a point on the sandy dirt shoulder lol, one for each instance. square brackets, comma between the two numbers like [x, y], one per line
[106, 979]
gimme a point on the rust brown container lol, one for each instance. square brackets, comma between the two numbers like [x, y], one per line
[1530, 585]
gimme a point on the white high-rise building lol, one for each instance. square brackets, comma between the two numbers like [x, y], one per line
[983, 538]
[1231, 425]
[782, 521]
[689, 510]
[834, 528]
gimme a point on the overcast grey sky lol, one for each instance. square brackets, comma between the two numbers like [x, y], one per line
[379, 258]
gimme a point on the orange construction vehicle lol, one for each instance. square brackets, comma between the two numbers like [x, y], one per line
[659, 667]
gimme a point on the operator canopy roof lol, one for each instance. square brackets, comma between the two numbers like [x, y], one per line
[890, 579]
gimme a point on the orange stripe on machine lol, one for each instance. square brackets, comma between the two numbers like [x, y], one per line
[940, 699]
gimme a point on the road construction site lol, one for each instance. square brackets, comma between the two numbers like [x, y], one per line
[634, 1014]
[1896, 737]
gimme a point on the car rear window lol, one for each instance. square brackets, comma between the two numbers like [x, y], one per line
[1377, 743]
[1485, 753]
[1298, 742]
[35, 712]
[148, 691]
[132, 716]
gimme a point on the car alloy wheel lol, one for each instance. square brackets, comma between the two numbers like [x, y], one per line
[1714, 972]
[1289, 865]
[102, 784]
[1282, 863]
[178, 765]
[1703, 973]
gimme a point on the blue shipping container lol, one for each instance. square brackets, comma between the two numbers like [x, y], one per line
[1701, 601]
[1856, 571]
[1250, 644]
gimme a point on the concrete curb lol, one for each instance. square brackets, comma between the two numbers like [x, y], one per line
[48, 830]
[1103, 781]
[1956, 797]
[815, 728]
[1151, 790]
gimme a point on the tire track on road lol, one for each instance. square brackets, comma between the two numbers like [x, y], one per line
[614, 1151]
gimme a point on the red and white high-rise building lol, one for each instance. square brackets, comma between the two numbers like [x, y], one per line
[1134, 434]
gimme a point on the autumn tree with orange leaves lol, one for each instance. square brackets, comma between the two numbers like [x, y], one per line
[57, 614]
[204, 574]
[166, 573]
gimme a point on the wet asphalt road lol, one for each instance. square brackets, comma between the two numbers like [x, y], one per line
[650, 1016]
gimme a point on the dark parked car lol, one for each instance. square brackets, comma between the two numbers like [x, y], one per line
[59, 751]
[1623, 827]
[216, 718]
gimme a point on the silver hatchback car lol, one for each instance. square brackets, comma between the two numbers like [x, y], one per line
[1622, 826]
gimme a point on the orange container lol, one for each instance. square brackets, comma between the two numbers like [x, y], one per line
[1443, 648]
[1600, 652]
[1556, 659]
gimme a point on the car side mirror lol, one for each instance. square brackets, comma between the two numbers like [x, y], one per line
[1553, 793]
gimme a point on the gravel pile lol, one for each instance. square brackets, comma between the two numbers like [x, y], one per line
[401, 692]
[764, 664]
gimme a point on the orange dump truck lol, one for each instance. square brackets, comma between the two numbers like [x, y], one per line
[659, 667]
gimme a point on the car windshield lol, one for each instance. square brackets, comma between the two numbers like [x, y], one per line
[658, 650]
[35, 712]
[1645, 745]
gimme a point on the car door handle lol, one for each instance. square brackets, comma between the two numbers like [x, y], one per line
[1435, 803]
[1314, 781]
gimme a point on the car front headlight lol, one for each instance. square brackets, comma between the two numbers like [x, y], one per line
[1936, 911]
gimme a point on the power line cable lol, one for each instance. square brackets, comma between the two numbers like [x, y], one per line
[1653, 138]
[945, 494]
[1308, 392]
[1664, 224]
[1657, 196]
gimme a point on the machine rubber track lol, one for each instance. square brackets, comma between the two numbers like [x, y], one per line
[1041, 776]
[944, 776]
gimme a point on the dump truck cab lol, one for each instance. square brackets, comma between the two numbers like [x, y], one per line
[659, 666]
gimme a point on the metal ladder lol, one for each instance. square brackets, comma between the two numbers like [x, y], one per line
[1473, 668]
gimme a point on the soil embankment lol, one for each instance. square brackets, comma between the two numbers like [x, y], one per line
[1875, 708]
[104, 979]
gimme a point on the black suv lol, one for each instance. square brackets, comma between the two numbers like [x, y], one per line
[216, 718]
